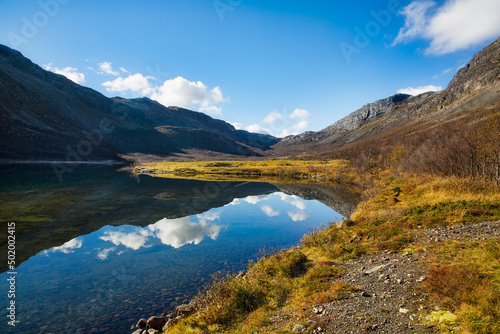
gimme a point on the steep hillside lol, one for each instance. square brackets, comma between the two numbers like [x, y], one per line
[475, 85]
[46, 116]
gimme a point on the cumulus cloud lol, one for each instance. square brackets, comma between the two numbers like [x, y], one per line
[453, 26]
[237, 126]
[69, 72]
[419, 90]
[68, 247]
[269, 211]
[183, 93]
[178, 92]
[106, 68]
[300, 114]
[298, 216]
[256, 199]
[103, 254]
[235, 201]
[300, 126]
[272, 117]
[209, 216]
[133, 84]
[179, 232]
[293, 200]
[281, 125]
[134, 240]
[256, 128]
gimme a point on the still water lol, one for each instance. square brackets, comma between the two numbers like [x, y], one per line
[102, 249]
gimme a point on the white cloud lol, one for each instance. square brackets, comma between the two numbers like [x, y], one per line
[179, 232]
[269, 211]
[183, 93]
[178, 92]
[272, 117]
[456, 25]
[293, 200]
[103, 254]
[136, 84]
[106, 68]
[69, 72]
[130, 240]
[256, 199]
[282, 126]
[237, 126]
[235, 201]
[300, 114]
[209, 216]
[68, 247]
[255, 128]
[419, 90]
[300, 126]
[298, 216]
[417, 20]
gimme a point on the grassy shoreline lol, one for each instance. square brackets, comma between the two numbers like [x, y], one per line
[396, 208]
[261, 171]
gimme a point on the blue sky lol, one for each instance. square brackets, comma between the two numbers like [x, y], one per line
[280, 66]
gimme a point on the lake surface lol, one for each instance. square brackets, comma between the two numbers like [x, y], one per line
[102, 249]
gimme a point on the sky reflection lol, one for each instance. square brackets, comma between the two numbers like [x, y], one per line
[192, 230]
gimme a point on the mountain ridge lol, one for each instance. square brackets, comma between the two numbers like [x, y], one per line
[44, 116]
[475, 85]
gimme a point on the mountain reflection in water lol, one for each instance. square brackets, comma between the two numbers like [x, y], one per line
[102, 250]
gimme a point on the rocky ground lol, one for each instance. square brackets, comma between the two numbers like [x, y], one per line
[390, 297]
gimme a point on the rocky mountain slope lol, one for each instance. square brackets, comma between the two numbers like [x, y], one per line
[46, 116]
[475, 85]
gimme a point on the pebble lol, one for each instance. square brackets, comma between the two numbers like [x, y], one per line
[298, 328]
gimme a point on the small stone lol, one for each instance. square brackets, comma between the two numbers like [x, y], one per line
[298, 328]
[421, 279]
[400, 281]
[374, 269]
[318, 310]
[156, 322]
[141, 323]
[184, 310]
[403, 310]
[437, 308]
[365, 294]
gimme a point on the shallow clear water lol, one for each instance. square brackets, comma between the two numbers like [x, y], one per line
[121, 248]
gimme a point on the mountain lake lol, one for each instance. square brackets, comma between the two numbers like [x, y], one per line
[99, 249]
